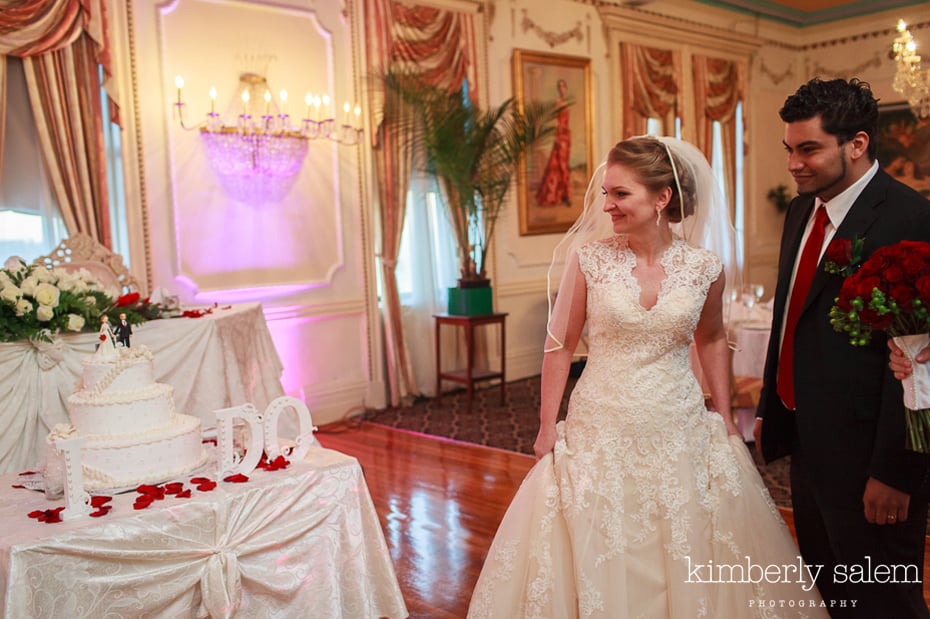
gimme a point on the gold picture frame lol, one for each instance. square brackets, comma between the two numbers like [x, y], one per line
[554, 175]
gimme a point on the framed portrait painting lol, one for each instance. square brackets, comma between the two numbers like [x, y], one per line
[904, 146]
[554, 175]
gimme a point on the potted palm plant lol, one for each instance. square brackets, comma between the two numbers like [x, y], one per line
[474, 154]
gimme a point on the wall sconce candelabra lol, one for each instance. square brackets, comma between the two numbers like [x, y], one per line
[910, 79]
[258, 156]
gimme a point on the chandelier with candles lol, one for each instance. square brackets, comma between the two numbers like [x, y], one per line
[258, 156]
[910, 79]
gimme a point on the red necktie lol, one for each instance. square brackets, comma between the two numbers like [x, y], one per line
[807, 266]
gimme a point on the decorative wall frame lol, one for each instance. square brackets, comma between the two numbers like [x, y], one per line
[904, 146]
[553, 178]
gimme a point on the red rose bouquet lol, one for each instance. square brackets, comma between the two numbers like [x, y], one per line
[890, 292]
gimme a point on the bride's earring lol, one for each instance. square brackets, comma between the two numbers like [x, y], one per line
[658, 216]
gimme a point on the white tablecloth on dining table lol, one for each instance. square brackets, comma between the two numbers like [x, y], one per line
[300, 542]
[224, 358]
[749, 329]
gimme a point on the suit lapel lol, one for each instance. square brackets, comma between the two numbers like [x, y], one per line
[855, 224]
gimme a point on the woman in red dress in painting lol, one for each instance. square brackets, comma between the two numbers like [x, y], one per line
[555, 185]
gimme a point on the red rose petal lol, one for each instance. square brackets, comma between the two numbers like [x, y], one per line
[18, 486]
[200, 480]
[103, 511]
[206, 486]
[184, 494]
[238, 478]
[174, 487]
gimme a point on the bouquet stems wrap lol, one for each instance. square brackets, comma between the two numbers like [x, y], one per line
[916, 393]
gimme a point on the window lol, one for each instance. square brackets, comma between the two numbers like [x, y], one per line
[30, 220]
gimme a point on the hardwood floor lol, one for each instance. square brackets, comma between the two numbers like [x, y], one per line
[439, 502]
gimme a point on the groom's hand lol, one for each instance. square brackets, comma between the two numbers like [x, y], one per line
[900, 364]
[883, 504]
[757, 434]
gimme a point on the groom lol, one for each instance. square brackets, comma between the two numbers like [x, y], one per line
[858, 495]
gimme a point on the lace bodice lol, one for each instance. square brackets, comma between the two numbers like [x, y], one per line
[638, 359]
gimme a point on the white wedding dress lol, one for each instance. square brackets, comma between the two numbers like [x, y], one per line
[645, 499]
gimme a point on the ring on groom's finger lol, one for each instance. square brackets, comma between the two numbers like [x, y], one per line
[892, 517]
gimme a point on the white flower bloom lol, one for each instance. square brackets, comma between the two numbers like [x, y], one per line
[14, 264]
[11, 293]
[47, 294]
[67, 282]
[80, 286]
[23, 307]
[5, 279]
[90, 300]
[45, 313]
[28, 285]
[43, 275]
[75, 322]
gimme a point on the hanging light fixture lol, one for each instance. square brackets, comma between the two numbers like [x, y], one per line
[258, 156]
[910, 79]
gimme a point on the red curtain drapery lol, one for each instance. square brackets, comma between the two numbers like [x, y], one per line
[719, 86]
[62, 43]
[440, 45]
[650, 87]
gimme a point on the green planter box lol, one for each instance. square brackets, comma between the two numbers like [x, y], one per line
[470, 301]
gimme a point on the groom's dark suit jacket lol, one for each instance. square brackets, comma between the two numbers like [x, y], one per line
[849, 422]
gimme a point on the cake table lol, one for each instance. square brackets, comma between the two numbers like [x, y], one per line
[224, 358]
[304, 541]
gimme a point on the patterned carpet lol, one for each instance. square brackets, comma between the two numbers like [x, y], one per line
[513, 426]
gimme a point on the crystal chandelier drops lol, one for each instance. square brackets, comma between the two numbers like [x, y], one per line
[910, 79]
[258, 156]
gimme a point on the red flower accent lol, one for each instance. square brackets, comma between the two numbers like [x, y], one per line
[204, 484]
[128, 299]
[100, 501]
[238, 478]
[196, 313]
[156, 492]
[103, 338]
[839, 251]
[174, 487]
[143, 501]
[47, 515]
[273, 465]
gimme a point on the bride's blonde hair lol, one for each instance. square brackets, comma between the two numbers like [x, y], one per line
[650, 160]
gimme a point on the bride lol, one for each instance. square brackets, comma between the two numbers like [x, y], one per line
[643, 503]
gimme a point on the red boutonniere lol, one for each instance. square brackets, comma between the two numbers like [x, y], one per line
[103, 338]
[843, 256]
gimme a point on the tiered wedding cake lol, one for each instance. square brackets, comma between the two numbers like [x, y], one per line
[133, 435]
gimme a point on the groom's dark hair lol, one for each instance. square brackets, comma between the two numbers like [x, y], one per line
[845, 109]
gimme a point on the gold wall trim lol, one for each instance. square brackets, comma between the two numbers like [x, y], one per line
[140, 159]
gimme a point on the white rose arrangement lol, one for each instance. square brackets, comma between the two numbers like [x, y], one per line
[38, 303]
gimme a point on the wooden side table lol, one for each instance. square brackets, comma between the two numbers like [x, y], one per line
[470, 375]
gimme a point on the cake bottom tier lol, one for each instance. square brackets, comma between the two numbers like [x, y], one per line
[157, 456]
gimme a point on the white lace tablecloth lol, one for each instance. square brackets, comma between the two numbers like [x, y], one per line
[222, 359]
[300, 542]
